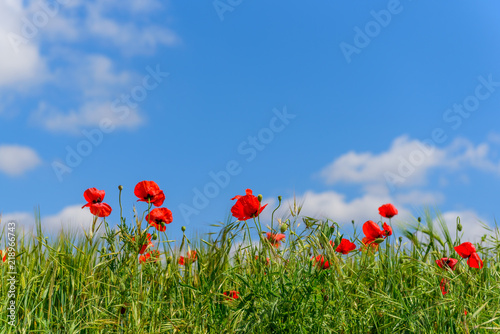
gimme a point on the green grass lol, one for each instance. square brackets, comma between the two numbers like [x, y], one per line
[94, 283]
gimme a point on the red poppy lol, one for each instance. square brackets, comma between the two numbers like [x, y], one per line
[468, 251]
[247, 206]
[94, 200]
[444, 286]
[388, 210]
[275, 239]
[321, 262]
[387, 230]
[148, 191]
[93, 196]
[151, 256]
[191, 257]
[446, 263]
[231, 294]
[344, 247]
[145, 246]
[159, 217]
[3, 255]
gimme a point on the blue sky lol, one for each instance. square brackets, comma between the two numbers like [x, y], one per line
[346, 105]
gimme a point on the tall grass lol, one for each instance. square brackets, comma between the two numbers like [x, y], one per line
[94, 283]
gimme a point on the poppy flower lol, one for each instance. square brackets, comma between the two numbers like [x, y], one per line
[344, 247]
[231, 294]
[321, 262]
[191, 257]
[145, 246]
[468, 251]
[247, 206]
[3, 255]
[94, 200]
[151, 256]
[444, 286]
[445, 263]
[159, 218]
[149, 192]
[387, 230]
[388, 210]
[275, 239]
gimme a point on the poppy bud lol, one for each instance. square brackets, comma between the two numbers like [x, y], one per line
[459, 225]
[283, 228]
[259, 197]
[337, 240]
[400, 239]
[419, 219]
[120, 187]
[279, 198]
[183, 229]
[378, 240]
[352, 221]
[154, 236]
[169, 259]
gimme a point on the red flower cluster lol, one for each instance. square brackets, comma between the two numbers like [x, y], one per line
[145, 246]
[388, 210]
[149, 192]
[94, 200]
[247, 206]
[321, 262]
[275, 239]
[373, 232]
[446, 263]
[344, 247]
[151, 256]
[231, 295]
[468, 251]
[191, 257]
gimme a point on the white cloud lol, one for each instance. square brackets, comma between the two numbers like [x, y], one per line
[16, 160]
[471, 222]
[409, 158]
[21, 63]
[72, 218]
[408, 163]
[89, 115]
[100, 85]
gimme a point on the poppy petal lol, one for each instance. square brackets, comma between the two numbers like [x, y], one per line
[372, 230]
[475, 261]
[465, 250]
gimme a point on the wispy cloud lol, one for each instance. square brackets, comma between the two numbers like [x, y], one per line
[16, 160]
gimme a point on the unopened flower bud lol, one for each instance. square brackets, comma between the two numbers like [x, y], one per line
[400, 239]
[183, 229]
[379, 240]
[120, 187]
[279, 198]
[154, 236]
[259, 197]
[459, 227]
[419, 219]
[169, 259]
[283, 228]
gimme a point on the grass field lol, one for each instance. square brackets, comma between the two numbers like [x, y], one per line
[278, 276]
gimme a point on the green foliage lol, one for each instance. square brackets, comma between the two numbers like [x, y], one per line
[96, 284]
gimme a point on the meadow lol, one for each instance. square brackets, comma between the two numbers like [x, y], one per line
[294, 274]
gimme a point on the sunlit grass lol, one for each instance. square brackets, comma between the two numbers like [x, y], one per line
[95, 283]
